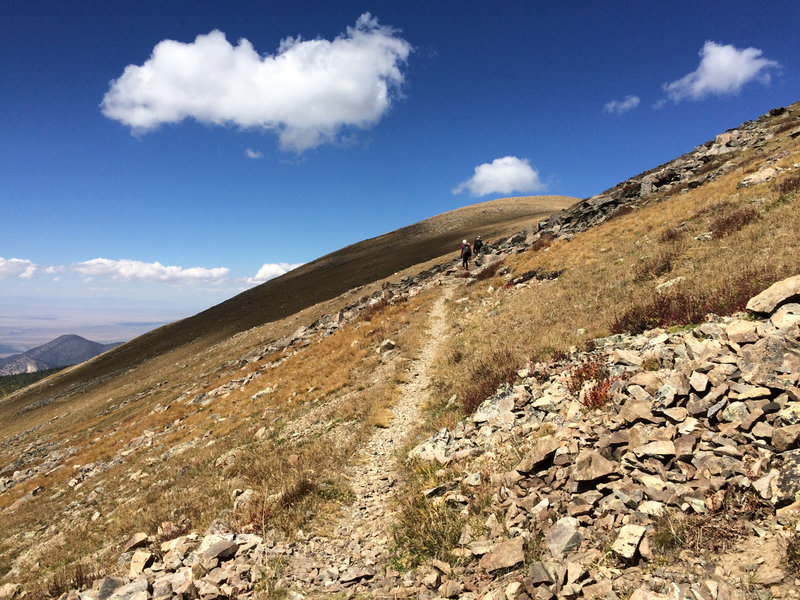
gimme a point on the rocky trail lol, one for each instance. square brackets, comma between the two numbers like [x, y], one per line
[349, 553]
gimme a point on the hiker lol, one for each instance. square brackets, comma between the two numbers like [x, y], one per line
[477, 246]
[466, 254]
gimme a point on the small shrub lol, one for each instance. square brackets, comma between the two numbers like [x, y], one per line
[598, 394]
[673, 234]
[79, 576]
[485, 375]
[592, 368]
[788, 185]
[489, 271]
[792, 554]
[731, 222]
[544, 241]
[593, 371]
[425, 529]
[659, 263]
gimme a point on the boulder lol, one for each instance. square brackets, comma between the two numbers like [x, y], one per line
[627, 541]
[784, 291]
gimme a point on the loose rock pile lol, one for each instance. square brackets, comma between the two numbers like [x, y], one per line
[715, 420]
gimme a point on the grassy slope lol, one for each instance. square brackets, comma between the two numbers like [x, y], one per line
[340, 385]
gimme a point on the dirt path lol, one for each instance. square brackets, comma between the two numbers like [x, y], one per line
[350, 553]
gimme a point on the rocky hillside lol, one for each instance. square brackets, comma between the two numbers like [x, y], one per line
[603, 406]
[63, 351]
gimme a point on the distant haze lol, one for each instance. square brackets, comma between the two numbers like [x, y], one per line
[30, 322]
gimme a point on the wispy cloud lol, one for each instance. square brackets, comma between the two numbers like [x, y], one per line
[271, 271]
[502, 176]
[134, 270]
[253, 153]
[617, 107]
[307, 92]
[16, 268]
[723, 70]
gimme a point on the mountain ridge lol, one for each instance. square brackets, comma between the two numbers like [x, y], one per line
[63, 351]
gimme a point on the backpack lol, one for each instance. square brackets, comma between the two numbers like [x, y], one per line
[467, 251]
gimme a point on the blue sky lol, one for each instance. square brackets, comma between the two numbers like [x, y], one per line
[157, 158]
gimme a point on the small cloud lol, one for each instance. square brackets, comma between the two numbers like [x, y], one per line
[16, 268]
[307, 92]
[134, 270]
[502, 176]
[271, 271]
[253, 153]
[617, 107]
[723, 70]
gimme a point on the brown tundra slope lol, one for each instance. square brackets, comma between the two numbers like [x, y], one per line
[279, 444]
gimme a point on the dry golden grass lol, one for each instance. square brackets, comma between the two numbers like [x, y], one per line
[615, 267]
[326, 399]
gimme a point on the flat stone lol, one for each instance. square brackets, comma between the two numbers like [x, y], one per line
[591, 465]
[742, 332]
[504, 555]
[657, 449]
[137, 540]
[636, 409]
[221, 550]
[771, 362]
[627, 541]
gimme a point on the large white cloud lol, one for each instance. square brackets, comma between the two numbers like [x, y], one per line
[723, 69]
[502, 176]
[14, 268]
[134, 270]
[271, 271]
[622, 106]
[306, 92]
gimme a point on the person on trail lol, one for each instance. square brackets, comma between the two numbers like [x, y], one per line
[466, 254]
[477, 246]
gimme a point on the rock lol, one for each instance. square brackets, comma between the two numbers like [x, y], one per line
[108, 585]
[131, 591]
[786, 438]
[659, 448]
[542, 452]
[760, 176]
[770, 362]
[628, 541]
[221, 550]
[563, 537]
[789, 415]
[504, 555]
[386, 345]
[137, 540]
[451, 589]
[139, 562]
[9, 591]
[784, 291]
[591, 465]
[787, 482]
[436, 448]
[742, 332]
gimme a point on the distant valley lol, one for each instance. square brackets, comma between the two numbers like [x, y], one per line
[61, 352]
